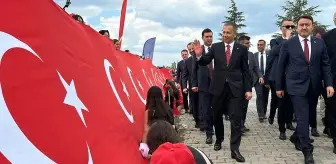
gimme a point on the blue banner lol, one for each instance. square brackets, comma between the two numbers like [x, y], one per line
[148, 49]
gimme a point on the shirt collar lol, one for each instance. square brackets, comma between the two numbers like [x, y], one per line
[302, 38]
[264, 52]
[231, 44]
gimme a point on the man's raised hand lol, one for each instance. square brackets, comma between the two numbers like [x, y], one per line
[197, 48]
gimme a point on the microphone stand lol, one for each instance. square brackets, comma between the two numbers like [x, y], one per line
[67, 4]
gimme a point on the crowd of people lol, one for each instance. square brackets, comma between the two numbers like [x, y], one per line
[216, 79]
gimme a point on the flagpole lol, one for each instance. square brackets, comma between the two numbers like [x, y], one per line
[122, 21]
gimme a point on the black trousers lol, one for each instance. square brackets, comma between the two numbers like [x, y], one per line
[274, 101]
[185, 101]
[206, 111]
[331, 117]
[262, 99]
[195, 107]
[244, 107]
[285, 112]
[232, 105]
[302, 106]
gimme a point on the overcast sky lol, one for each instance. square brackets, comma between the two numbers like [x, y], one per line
[177, 22]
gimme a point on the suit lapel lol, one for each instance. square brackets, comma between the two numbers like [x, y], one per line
[297, 43]
[313, 48]
[235, 49]
[221, 52]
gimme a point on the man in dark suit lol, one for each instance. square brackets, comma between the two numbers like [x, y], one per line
[260, 59]
[230, 84]
[201, 78]
[254, 70]
[186, 85]
[330, 41]
[303, 62]
[285, 111]
[179, 70]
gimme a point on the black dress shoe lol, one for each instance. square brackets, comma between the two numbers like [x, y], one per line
[282, 136]
[315, 133]
[261, 119]
[334, 150]
[308, 157]
[327, 132]
[237, 156]
[245, 129]
[217, 146]
[208, 140]
[290, 127]
[271, 120]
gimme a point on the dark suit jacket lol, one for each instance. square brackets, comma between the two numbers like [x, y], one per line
[298, 72]
[187, 73]
[236, 74]
[200, 76]
[330, 41]
[254, 69]
[179, 70]
[271, 63]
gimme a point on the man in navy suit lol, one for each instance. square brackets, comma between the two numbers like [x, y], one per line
[201, 78]
[330, 41]
[179, 73]
[303, 62]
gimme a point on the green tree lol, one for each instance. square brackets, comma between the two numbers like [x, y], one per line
[236, 17]
[293, 9]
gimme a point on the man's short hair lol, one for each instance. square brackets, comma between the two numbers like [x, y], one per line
[285, 19]
[262, 40]
[244, 37]
[234, 26]
[115, 41]
[184, 50]
[207, 30]
[306, 17]
[319, 30]
[190, 43]
[102, 32]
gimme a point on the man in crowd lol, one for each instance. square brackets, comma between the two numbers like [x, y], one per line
[330, 41]
[303, 62]
[201, 79]
[230, 84]
[186, 85]
[285, 113]
[261, 58]
[245, 40]
[179, 70]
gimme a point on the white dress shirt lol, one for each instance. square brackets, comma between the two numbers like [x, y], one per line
[264, 58]
[225, 44]
[309, 44]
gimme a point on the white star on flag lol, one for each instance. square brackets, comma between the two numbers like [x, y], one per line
[125, 90]
[140, 85]
[72, 99]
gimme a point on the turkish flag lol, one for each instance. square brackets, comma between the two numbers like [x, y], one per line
[65, 97]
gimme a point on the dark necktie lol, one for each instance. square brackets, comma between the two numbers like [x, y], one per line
[228, 54]
[306, 49]
[262, 63]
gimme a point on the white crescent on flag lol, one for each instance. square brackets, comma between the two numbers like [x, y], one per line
[107, 66]
[148, 81]
[15, 146]
[135, 87]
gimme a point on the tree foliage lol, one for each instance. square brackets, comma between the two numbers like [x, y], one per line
[236, 17]
[293, 9]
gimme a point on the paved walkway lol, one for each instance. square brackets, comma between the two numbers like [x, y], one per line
[259, 146]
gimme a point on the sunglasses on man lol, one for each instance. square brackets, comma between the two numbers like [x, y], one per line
[289, 26]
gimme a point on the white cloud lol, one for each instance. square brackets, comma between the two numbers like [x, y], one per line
[169, 41]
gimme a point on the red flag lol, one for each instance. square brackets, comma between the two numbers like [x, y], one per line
[64, 93]
[122, 20]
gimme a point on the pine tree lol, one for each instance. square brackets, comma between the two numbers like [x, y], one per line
[236, 17]
[293, 9]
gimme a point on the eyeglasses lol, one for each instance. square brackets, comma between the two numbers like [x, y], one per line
[289, 26]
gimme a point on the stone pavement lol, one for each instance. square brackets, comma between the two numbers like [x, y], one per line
[259, 146]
